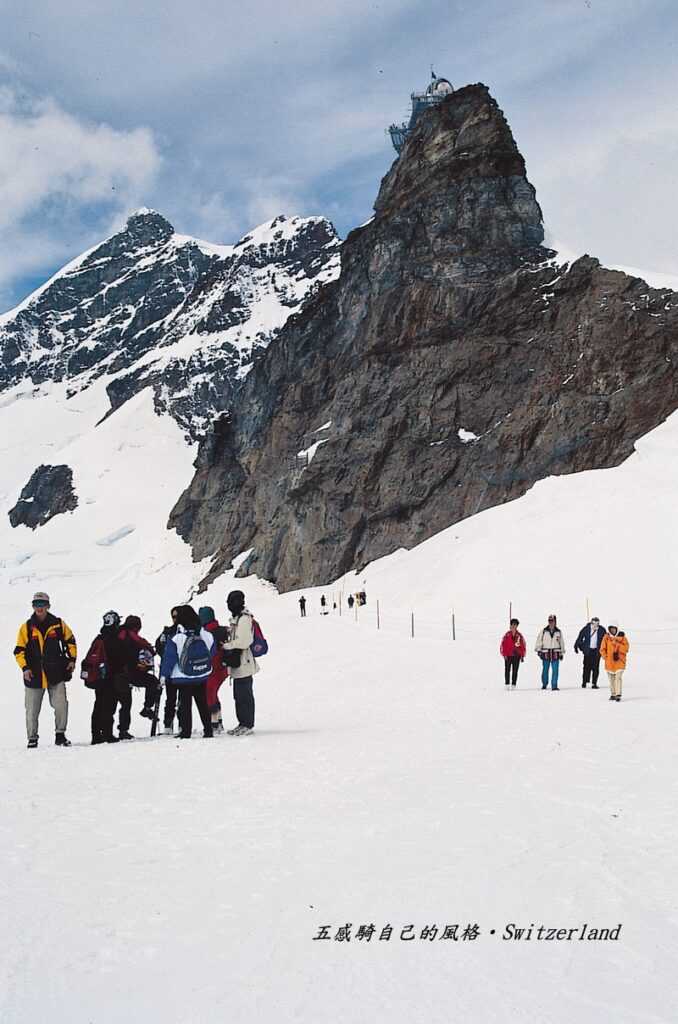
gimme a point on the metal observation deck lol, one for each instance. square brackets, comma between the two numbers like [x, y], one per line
[437, 90]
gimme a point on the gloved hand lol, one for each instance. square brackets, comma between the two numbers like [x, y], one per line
[28, 675]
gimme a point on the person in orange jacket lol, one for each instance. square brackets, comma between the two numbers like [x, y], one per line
[613, 651]
[512, 649]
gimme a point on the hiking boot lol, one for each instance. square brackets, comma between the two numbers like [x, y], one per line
[245, 730]
[168, 730]
[612, 697]
[618, 698]
[583, 686]
[126, 736]
[97, 739]
[33, 742]
[61, 741]
[147, 713]
[235, 731]
[111, 739]
[594, 686]
[217, 728]
[207, 735]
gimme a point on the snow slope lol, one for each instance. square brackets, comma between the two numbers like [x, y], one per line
[390, 780]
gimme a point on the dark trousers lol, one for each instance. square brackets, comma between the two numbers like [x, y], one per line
[189, 692]
[303, 611]
[170, 704]
[151, 691]
[591, 667]
[123, 695]
[244, 701]
[103, 710]
[511, 666]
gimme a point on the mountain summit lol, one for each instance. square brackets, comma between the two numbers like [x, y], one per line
[452, 365]
[151, 308]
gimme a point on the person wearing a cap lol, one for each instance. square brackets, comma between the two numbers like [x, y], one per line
[613, 650]
[588, 642]
[46, 653]
[550, 646]
[241, 636]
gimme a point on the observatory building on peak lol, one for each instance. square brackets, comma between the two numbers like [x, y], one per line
[438, 89]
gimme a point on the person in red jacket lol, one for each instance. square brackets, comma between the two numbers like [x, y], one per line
[219, 671]
[512, 650]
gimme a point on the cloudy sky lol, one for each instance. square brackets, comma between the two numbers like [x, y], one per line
[221, 115]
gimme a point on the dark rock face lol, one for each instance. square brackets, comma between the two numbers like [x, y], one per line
[455, 363]
[48, 493]
[151, 308]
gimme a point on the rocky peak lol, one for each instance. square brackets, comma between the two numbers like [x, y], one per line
[455, 361]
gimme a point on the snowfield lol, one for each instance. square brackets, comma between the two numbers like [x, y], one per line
[390, 780]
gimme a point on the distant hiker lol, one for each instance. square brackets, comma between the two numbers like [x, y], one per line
[351, 601]
[241, 637]
[219, 671]
[46, 653]
[550, 646]
[170, 687]
[588, 642]
[187, 662]
[362, 598]
[323, 605]
[513, 649]
[302, 605]
[103, 662]
[613, 649]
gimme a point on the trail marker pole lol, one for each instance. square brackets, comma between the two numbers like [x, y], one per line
[454, 631]
[413, 625]
[378, 624]
[510, 611]
[588, 611]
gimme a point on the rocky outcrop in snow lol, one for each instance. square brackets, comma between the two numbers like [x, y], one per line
[48, 493]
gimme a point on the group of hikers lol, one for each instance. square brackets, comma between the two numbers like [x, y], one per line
[196, 656]
[594, 642]
[360, 598]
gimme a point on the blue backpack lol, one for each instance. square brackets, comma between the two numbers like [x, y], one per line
[195, 661]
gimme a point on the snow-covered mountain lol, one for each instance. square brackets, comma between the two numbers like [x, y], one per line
[149, 307]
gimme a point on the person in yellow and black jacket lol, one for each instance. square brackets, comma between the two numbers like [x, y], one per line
[46, 653]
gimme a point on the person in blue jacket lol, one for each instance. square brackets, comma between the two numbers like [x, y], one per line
[588, 642]
[187, 663]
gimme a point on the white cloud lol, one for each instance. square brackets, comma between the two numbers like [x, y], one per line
[53, 168]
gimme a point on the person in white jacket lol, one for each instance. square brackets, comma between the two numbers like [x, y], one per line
[241, 636]
[550, 646]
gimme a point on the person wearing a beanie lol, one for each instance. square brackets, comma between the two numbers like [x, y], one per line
[219, 671]
[141, 658]
[46, 653]
[588, 642]
[187, 662]
[613, 651]
[105, 697]
[240, 638]
[550, 646]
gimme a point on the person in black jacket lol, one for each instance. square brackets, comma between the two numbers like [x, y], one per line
[588, 642]
[171, 689]
[105, 698]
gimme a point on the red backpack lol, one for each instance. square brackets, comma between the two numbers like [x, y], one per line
[94, 667]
